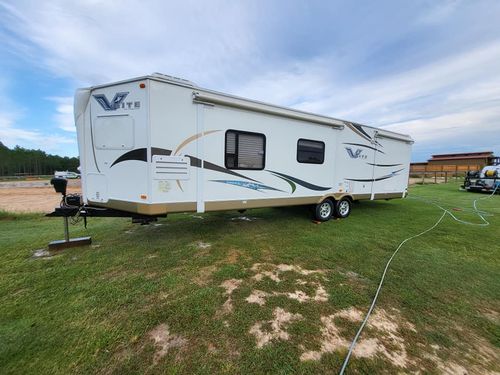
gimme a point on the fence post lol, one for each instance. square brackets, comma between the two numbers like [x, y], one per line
[423, 177]
[445, 177]
[435, 177]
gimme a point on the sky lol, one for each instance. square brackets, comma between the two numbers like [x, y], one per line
[430, 69]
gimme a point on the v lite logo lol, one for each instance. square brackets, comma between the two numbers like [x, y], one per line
[355, 154]
[115, 103]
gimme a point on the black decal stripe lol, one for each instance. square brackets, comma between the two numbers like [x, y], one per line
[360, 129]
[393, 174]
[302, 182]
[139, 154]
[195, 162]
[362, 145]
[217, 168]
[369, 179]
[384, 165]
[291, 183]
[160, 151]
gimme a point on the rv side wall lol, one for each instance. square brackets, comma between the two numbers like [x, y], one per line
[155, 150]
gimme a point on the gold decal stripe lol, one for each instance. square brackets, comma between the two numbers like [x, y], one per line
[193, 138]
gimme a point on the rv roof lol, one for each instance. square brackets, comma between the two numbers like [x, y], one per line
[186, 83]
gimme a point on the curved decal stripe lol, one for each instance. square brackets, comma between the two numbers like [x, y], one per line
[362, 145]
[358, 129]
[291, 183]
[393, 174]
[370, 179]
[361, 130]
[195, 162]
[355, 130]
[140, 154]
[302, 182]
[247, 185]
[384, 165]
[193, 138]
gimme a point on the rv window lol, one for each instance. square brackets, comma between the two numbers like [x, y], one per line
[312, 152]
[245, 150]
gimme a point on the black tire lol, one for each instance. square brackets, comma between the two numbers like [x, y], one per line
[343, 208]
[324, 210]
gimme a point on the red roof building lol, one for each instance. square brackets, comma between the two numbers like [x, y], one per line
[455, 162]
[467, 158]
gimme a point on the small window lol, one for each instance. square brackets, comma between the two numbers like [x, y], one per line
[312, 152]
[245, 150]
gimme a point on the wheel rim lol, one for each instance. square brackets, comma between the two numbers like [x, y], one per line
[325, 210]
[344, 208]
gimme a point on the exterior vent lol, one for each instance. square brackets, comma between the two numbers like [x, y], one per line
[170, 167]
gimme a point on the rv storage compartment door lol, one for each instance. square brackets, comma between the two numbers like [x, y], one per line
[115, 132]
[98, 188]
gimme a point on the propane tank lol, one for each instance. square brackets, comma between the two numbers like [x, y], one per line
[490, 173]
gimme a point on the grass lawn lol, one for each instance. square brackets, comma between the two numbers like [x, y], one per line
[215, 293]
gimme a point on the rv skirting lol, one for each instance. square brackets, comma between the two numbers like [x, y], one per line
[146, 208]
[389, 195]
[165, 208]
[258, 203]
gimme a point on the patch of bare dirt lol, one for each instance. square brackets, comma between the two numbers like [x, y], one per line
[243, 218]
[258, 297]
[273, 271]
[32, 196]
[232, 256]
[164, 341]
[41, 253]
[230, 286]
[281, 320]
[205, 275]
[320, 295]
[382, 323]
[492, 315]
[203, 245]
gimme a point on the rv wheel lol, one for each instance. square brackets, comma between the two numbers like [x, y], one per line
[324, 210]
[343, 208]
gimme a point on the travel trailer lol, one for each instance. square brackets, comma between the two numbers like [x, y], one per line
[157, 144]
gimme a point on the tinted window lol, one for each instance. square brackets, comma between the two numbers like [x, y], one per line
[245, 150]
[312, 152]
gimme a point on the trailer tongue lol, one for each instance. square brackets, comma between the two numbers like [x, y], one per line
[72, 208]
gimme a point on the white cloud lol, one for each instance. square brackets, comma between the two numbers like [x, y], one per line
[64, 113]
[448, 94]
[12, 134]
[440, 104]
[95, 42]
[439, 11]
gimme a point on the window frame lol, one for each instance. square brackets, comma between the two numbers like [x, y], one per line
[237, 132]
[311, 162]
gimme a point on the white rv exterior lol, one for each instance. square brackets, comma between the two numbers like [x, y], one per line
[156, 144]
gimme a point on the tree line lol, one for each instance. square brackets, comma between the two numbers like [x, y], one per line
[21, 161]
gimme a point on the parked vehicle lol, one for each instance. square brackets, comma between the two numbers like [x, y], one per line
[157, 144]
[486, 180]
[66, 174]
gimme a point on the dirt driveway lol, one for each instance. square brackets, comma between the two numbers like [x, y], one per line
[32, 196]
